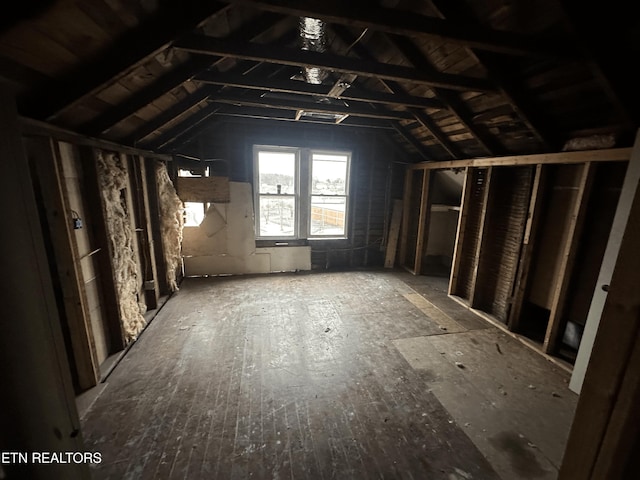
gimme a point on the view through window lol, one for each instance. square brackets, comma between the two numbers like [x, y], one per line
[301, 193]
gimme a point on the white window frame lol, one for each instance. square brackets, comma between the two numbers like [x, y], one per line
[303, 192]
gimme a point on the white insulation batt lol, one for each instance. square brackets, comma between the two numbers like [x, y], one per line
[113, 178]
[171, 224]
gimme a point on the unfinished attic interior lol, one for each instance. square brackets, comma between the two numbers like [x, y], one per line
[272, 239]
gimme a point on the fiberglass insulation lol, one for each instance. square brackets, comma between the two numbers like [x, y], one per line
[171, 223]
[112, 176]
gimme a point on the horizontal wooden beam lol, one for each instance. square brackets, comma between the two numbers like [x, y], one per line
[36, 127]
[604, 155]
[280, 115]
[205, 45]
[297, 87]
[368, 15]
[288, 104]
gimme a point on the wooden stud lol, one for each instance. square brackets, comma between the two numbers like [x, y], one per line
[406, 209]
[579, 209]
[48, 165]
[423, 223]
[394, 232]
[154, 218]
[528, 245]
[149, 273]
[104, 258]
[467, 189]
[482, 235]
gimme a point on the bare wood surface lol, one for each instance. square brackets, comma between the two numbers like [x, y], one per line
[394, 233]
[45, 158]
[462, 219]
[576, 222]
[423, 223]
[528, 245]
[604, 155]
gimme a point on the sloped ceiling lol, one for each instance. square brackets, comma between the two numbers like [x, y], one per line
[442, 78]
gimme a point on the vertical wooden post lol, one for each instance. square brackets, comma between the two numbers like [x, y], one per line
[152, 294]
[48, 166]
[154, 218]
[578, 214]
[104, 257]
[38, 407]
[482, 236]
[423, 222]
[406, 209]
[394, 231]
[604, 436]
[133, 209]
[528, 245]
[467, 188]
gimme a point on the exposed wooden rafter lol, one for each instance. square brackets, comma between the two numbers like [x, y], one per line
[205, 45]
[457, 107]
[394, 88]
[128, 52]
[167, 116]
[173, 79]
[457, 11]
[369, 15]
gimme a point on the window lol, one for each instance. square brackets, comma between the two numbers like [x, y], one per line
[194, 212]
[301, 193]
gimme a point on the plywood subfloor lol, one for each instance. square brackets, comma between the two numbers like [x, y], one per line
[327, 375]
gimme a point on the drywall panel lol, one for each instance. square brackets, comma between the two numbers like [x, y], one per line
[227, 265]
[288, 259]
[224, 243]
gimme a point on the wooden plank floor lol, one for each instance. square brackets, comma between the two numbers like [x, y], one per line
[300, 376]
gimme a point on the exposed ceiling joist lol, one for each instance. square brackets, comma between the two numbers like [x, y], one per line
[205, 45]
[353, 109]
[298, 87]
[184, 131]
[368, 15]
[128, 52]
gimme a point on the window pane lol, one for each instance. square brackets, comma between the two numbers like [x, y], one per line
[277, 168]
[327, 215]
[277, 216]
[193, 213]
[329, 174]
